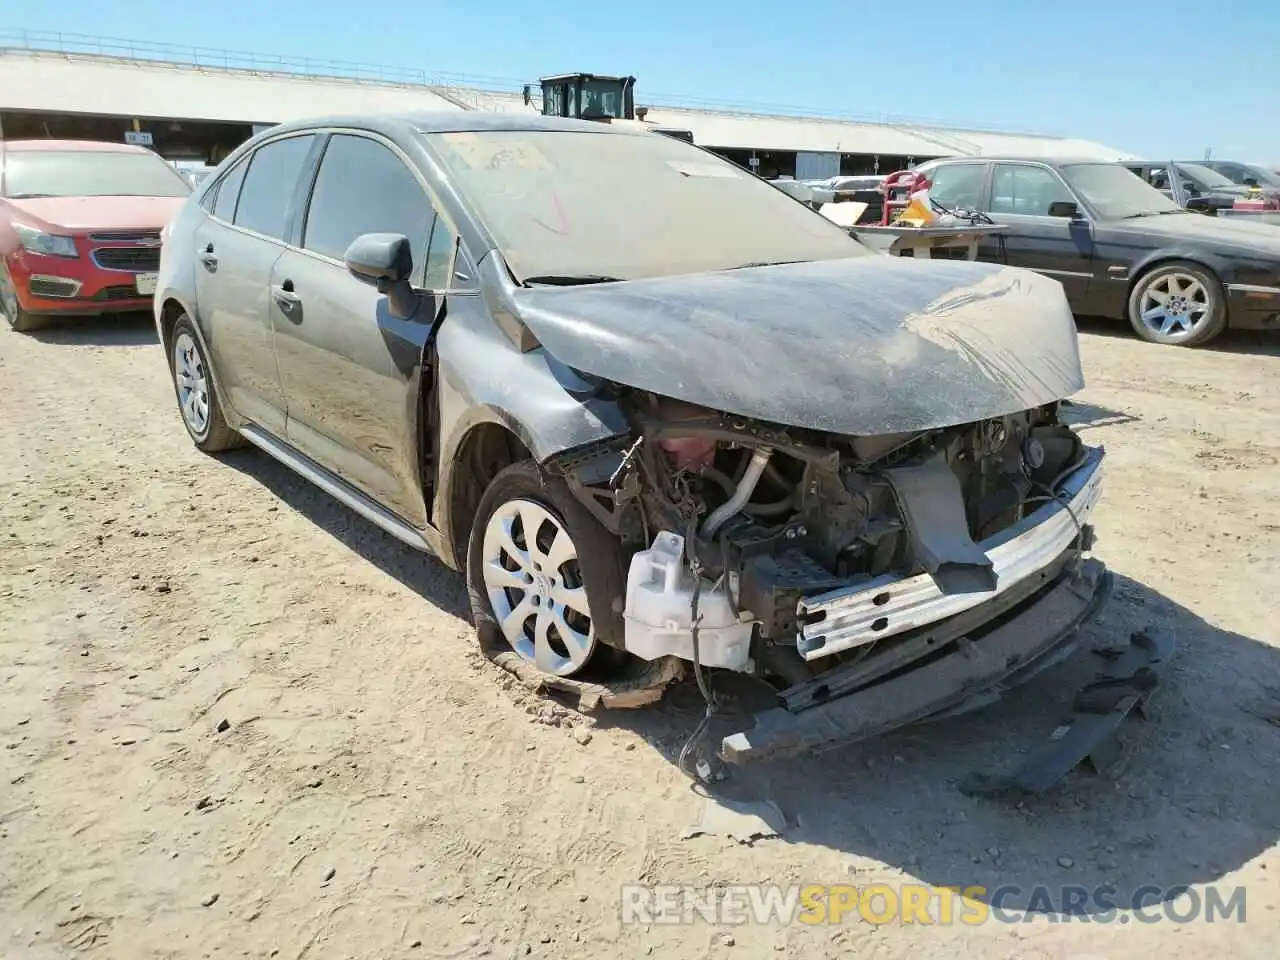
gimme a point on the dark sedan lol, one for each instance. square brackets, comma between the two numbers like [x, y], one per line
[1119, 246]
[1194, 185]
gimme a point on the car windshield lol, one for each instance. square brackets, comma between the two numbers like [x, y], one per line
[1205, 178]
[1116, 192]
[1240, 172]
[580, 204]
[1263, 176]
[89, 173]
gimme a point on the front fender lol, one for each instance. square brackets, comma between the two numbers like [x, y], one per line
[1221, 267]
[485, 377]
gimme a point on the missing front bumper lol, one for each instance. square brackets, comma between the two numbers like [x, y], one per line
[890, 605]
[1042, 633]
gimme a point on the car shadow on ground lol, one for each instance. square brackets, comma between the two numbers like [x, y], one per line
[1089, 416]
[1192, 800]
[1264, 343]
[421, 573]
[135, 329]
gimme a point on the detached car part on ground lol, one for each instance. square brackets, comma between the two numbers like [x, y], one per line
[762, 450]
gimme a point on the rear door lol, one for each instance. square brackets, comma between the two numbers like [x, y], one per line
[236, 249]
[350, 370]
[1059, 247]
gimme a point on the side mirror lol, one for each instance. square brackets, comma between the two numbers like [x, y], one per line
[385, 260]
[1199, 204]
[1064, 208]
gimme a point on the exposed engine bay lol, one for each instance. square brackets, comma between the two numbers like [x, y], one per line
[785, 552]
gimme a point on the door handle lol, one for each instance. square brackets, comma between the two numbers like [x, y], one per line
[209, 258]
[285, 298]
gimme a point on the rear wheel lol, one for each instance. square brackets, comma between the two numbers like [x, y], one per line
[544, 578]
[1180, 304]
[197, 398]
[17, 318]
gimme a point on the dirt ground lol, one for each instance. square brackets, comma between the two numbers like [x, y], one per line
[377, 791]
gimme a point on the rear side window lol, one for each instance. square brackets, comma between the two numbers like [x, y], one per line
[228, 192]
[957, 184]
[269, 185]
[363, 187]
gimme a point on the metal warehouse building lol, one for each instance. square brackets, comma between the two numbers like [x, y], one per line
[197, 104]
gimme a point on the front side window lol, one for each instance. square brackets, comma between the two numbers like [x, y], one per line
[1020, 189]
[551, 201]
[269, 185]
[957, 184]
[1204, 178]
[601, 98]
[363, 187]
[31, 174]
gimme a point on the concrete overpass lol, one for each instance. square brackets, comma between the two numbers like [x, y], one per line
[194, 103]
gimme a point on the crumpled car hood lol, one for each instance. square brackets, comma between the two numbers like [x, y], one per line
[863, 346]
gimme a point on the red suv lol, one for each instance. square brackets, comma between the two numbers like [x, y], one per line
[80, 226]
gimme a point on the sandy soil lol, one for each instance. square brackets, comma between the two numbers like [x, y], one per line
[377, 791]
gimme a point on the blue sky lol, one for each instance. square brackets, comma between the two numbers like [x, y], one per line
[1164, 78]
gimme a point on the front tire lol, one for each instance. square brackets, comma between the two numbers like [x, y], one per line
[197, 397]
[544, 577]
[19, 320]
[1178, 304]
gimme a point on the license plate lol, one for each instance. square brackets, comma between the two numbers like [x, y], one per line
[146, 283]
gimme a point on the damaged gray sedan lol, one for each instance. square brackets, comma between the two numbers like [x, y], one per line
[662, 415]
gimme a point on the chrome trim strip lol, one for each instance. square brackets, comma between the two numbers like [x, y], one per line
[1065, 273]
[1018, 552]
[141, 238]
[1253, 288]
[334, 486]
[74, 285]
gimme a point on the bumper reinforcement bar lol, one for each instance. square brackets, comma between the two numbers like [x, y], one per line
[975, 673]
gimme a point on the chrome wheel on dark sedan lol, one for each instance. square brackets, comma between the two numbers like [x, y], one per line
[1180, 304]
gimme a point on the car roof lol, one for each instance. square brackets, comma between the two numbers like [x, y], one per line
[70, 146]
[1049, 161]
[1210, 163]
[456, 121]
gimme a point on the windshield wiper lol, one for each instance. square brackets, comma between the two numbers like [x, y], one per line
[571, 280]
[29, 196]
[1152, 213]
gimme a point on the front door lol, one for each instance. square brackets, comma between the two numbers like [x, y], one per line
[349, 368]
[1058, 247]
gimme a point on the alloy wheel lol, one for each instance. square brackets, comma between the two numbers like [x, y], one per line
[532, 577]
[1175, 305]
[193, 384]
